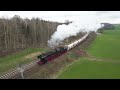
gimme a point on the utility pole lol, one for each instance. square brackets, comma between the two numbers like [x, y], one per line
[21, 69]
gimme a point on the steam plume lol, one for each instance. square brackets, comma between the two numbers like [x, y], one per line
[79, 24]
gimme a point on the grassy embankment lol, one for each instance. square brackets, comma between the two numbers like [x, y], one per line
[11, 61]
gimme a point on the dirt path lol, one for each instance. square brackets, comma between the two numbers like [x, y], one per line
[32, 55]
[93, 58]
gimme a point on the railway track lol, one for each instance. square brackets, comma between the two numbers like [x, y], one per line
[17, 72]
[25, 70]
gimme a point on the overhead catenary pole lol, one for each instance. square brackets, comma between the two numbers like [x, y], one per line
[21, 69]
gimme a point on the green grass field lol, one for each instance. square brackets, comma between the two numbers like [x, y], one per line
[11, 61]
[86, 69]
[106, 47]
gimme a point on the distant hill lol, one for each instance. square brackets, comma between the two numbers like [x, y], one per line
[106, 26]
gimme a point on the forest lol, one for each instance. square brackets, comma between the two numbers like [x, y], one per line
[17, 33]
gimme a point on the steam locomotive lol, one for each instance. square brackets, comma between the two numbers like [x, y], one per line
[45, 57]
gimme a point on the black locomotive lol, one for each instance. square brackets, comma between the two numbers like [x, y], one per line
[48, 56]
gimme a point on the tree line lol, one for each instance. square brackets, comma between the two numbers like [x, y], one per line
[107, 26]
[17, 33]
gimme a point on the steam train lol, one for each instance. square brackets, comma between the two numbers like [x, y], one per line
[45, 57]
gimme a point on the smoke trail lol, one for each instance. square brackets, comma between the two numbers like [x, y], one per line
[79, 24]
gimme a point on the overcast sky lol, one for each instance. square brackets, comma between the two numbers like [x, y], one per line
[103, 16]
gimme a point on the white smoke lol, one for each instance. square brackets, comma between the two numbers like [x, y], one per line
[79, 24]
[87, 21]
